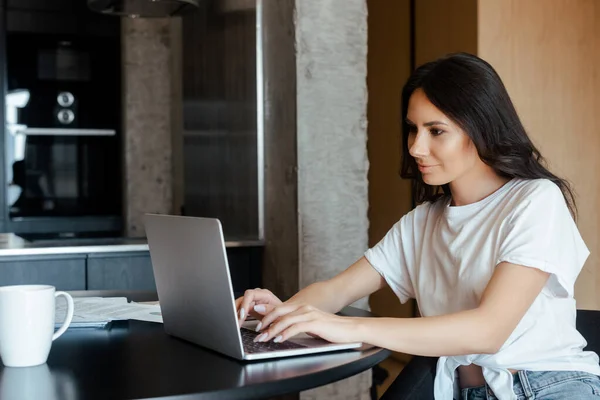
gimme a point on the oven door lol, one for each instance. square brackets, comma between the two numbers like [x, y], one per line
[73, 82]
[63, 175]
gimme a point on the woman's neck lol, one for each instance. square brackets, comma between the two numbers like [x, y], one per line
[475, 186]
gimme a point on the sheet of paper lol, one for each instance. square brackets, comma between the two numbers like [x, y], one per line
[98, 311]
[140, 312]
[85, 315]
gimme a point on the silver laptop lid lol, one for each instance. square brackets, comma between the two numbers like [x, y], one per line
[193, 282]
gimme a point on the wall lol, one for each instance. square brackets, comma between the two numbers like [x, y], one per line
[389, 65]
[177, 173]
[443, 26]
[220, 140]
[547, 53]
[281, 253]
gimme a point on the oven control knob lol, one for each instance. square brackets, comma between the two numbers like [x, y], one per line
[66, 116]
[65, 99]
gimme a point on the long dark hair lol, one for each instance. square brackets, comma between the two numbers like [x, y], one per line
[469, 91]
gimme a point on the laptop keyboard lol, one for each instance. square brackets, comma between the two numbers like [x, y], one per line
[260, 347]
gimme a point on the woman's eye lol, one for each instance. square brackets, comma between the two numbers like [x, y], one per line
[412, 129]
[436, 132]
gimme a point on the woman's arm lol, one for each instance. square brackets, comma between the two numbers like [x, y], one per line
[483, 330]
[357, 281]
[354, 283]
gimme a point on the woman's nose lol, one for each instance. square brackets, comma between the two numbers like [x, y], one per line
[418, 146]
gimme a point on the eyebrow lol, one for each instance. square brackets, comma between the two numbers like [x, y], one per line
[430, 123]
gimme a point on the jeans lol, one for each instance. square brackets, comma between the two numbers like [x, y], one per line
[555, 385]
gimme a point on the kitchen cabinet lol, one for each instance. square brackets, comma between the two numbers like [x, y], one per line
[119, 270]
[133, 270]
[65, 272]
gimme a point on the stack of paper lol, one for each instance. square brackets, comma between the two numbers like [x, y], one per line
[99, 311]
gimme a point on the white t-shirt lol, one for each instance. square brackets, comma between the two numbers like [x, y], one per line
[444, 256]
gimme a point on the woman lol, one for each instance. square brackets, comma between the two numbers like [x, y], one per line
[491, 254]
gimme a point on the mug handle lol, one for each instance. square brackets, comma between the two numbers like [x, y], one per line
[70, 309]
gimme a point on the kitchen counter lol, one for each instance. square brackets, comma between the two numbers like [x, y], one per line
[12, 245]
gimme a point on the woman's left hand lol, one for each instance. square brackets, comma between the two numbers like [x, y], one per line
[290, 319]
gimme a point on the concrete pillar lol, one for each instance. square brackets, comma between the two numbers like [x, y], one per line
[331, 66]
[332, 135]
[316, 225]
[147, 109]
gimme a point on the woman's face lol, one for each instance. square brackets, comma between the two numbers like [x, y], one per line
[442, 150]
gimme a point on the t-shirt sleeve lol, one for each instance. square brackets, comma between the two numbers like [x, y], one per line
[542, 234]
[389, 258]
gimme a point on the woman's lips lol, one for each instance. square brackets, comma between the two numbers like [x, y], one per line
[426, 168]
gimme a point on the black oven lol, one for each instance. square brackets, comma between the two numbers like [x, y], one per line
[63, 132]
[73, 82]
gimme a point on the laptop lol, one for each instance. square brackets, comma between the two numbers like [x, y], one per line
[196, 295]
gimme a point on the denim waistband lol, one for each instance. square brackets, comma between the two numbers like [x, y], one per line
[527, 383]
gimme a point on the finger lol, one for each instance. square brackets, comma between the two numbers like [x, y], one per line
[263, 309]
[250, 299]
[256, 296]
[238, 302]
[251, 296]
[293, 330]
[259, 311]
[279, 312]
[285, 322]
[267, 297]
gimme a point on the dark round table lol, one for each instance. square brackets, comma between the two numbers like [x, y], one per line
[138, 360]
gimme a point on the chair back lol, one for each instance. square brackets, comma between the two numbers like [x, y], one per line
[588, 324]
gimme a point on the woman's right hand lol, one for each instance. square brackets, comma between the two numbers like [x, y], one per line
[256, 303]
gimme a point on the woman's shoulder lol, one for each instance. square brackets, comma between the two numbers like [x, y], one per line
[533, 189]
[539, 198]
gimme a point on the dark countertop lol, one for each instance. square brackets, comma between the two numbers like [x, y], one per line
[12, 245]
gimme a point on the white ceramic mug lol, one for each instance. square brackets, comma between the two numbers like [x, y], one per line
[27, 323]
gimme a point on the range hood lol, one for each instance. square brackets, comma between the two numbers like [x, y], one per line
[143, 8]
